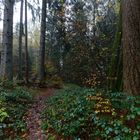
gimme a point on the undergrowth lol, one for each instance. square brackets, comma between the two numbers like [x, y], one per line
[14, 103]
[82, 113]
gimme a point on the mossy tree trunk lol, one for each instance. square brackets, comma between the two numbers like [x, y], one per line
[116, 66]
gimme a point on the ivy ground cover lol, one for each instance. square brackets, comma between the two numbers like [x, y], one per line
[80, 113]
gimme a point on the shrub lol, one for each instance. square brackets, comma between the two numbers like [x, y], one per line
[55, 81]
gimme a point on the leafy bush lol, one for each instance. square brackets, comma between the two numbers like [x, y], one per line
[3, 113]
[55, 81]
[81, 113]
[19, 94]
[4, 84]
[51, 76]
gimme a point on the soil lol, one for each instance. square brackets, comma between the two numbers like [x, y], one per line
[33, 118]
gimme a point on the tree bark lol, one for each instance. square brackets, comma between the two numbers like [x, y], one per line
[26, 47]
[7, 42]
[131, 46]
[42, 43]
[20, 41]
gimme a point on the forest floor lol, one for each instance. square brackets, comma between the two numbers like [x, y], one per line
[33, 118]
[84, 113]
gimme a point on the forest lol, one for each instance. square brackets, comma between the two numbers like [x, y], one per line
[69, 69]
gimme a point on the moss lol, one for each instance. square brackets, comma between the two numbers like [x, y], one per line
[115, 70]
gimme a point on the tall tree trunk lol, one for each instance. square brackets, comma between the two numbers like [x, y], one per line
[20, 41]
[116, 67]
[26, 47]
[7, 42]
[131, 46]
[42, 43]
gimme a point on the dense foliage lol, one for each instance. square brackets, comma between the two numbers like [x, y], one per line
[80, 39]
[13, 107]
[82, 113]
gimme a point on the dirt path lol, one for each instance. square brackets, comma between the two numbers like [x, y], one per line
[34, 115]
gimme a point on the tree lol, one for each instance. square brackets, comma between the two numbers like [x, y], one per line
[56, 33]
[115, 76]
[26, 47]
[20, 41]
[131, 46]
[7, 42]
[42, 42]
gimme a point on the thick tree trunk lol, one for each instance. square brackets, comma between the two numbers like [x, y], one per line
[7, 42]
[42, 43]
[26, 47]
[131, 46]
[20, 41]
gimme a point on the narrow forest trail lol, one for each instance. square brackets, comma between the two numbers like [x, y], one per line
[33, 119]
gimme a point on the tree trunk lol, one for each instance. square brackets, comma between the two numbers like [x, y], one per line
[116, 67]
[42, 43]
[26, 47]
[131, 46]
[20, 41]
[7, 42]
